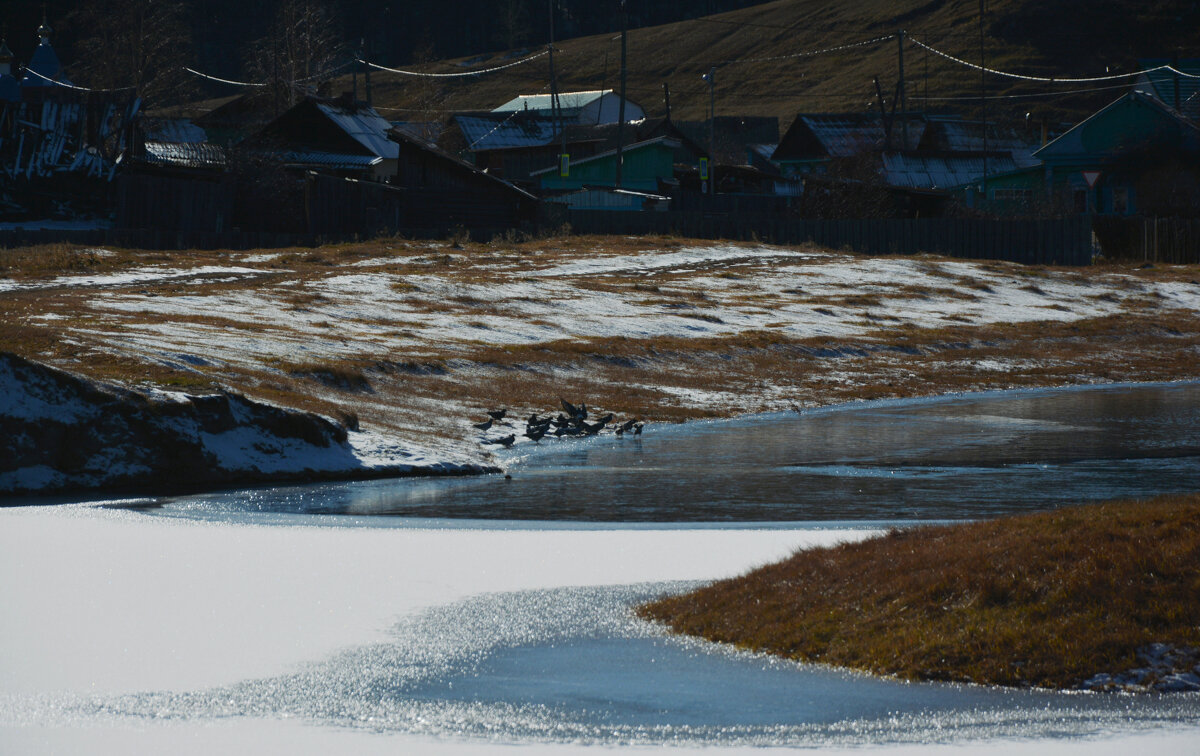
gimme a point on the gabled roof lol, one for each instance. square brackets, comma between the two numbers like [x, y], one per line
[421, 145]
[327, 127]
[818, 136]
[367, 127]
[490, 132]
[663, 141]
[1162, 84]
[1132, 121]
[542, 102]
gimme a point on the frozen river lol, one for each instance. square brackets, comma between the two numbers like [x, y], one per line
[455, 615]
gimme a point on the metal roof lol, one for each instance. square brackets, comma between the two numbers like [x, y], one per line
[184, 155]
[45, 62]
[366, 126]
[542, 102]
[484, 133]
[925, 172]
[173, 130]
[1162, 84]
[850, 134]
[332, 160]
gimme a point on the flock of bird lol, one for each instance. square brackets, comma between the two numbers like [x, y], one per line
[572, 421]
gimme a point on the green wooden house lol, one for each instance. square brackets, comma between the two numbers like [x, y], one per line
[1135, 156]
[645, 165]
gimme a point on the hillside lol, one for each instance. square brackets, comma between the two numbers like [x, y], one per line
[760, 71]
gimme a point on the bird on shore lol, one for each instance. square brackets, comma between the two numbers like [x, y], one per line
[637, 429]
[497, 414]
[606, 419]
[483, 426]
[506, 441]
[571, 411]
[536, 434]
[591, 429]
[627, 425]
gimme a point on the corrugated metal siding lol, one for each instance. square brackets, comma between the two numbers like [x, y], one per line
[184, 155]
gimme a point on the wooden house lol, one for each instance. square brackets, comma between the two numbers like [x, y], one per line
[442, 192]
[646, 167]
[339, 137]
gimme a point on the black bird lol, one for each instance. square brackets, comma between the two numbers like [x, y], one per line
[535, 420]
[497, 414]
[483, 426]
[627, 425]
[569, 408]
[561, 421]
[506, 442]
[637, 429]
[591, 429]
[535, 435]
[606, 419]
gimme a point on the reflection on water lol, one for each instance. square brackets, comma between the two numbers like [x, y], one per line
[958, 457]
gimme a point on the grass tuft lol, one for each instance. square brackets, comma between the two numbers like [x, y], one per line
[1047, 599]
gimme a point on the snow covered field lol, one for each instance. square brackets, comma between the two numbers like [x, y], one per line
[103, 603]
[416, 339]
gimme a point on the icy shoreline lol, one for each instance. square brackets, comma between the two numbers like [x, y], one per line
[61, 433]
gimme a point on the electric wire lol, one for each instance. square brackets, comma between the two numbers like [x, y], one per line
[457, 75]
[811, 53]
[72, 86]
[1050, 79]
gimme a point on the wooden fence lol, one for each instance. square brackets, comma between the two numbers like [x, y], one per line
[1167, 240]
[1064, 241]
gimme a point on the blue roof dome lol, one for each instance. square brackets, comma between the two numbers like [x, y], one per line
[42, 66]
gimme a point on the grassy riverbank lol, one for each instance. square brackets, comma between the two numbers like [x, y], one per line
[1047, 599]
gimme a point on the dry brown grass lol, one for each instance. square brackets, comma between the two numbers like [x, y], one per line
[1046, 599]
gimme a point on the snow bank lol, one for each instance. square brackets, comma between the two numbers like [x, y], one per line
[59, 431]
[105, 601]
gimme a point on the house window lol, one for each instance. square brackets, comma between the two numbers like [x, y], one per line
[1081, 202]
[1120, 200]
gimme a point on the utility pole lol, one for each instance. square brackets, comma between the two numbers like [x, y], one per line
[621, 106]
[711, 78]
[555, 110]
[983, 95]
[903, 92]
[365, 55]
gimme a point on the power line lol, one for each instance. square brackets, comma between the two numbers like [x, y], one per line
[57, 83]
[459, 75]
[1051, 79]
[811, 53]
[224, 81]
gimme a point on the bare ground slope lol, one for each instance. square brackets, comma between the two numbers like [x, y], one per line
[414, 340]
